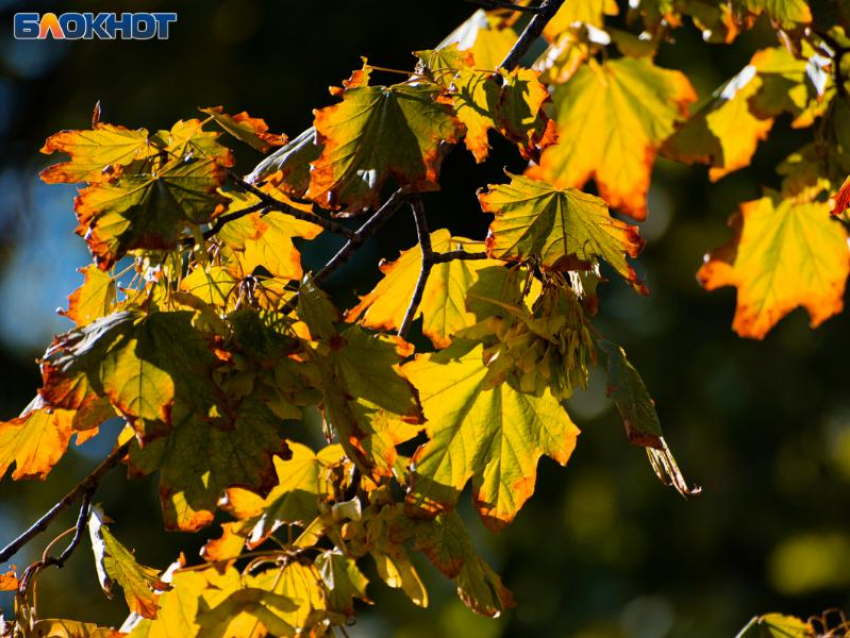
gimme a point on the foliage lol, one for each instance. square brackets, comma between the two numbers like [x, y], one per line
[200, 327]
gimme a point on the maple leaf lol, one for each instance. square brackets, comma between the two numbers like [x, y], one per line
[727, 129]
[302, 584]
[94, 299]
[784, 254]
[788, 13]
[295, 498]
[290, 164]
[513, 106]
[251, 130]
[564, 227]
[147, 210]
[777, 626]
[63, 628]
[266, 240]
[116, 564]
[197, 461]
[403, 131]
[442, 65]
[611, 120]
[144, 364]
[494, 436]
[487, 37]
[443, 306]
[35, 441]
[447, 544]
[365, 393]
[590, 11]
[95, 154]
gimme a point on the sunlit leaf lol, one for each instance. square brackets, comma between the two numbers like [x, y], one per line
[147, 210]
[612, 118]
[116, 564]
[343, 580]
[290, 164]
[494, 437]
[443, 306]
[251, 130]
[783, 254]
[564, 228]
[94, 299]
[95, 154]
[488, 37]
[378, 132]
[34, 441]
[777, 626]
[197, 461]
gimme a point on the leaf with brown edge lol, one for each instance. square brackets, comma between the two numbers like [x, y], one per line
[250, 130]
[443, 306]
[446, 542]
[94, 299]
[611, 120]
[563, 227]
[508, 102]
[147, 210]
[841, 200]
[35, 441]
[378, 132]
[144, 364]
[494, 436]
[95, 154]
[64, 628]
[368, 401]
[198, 460]
[116, 564]
[784, 254]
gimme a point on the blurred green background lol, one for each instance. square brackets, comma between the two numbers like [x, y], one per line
[603, 549]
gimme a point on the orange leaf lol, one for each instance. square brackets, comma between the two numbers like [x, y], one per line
[784, 254]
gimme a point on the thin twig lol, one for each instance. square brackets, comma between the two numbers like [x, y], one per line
[451, 255]
[424, 237]
[283, 207]
[86, 486]
[505, 4]
[46, 561]
[369, 228]
[221, 220]
[547, 10]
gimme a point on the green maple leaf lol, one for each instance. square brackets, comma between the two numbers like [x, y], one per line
[493, 436]
[147, 210]
[377, 132]
[563, 227]
[197, 461]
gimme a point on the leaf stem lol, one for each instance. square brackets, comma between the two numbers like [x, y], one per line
[424, 237]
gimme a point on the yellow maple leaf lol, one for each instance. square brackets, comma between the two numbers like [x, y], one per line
[611, 120]
[784, 254]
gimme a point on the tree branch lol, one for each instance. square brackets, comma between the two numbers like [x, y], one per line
[546, 11]
[84, 488]
[424, 237]
[505, 4]
[369, 228]
[441, 258]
